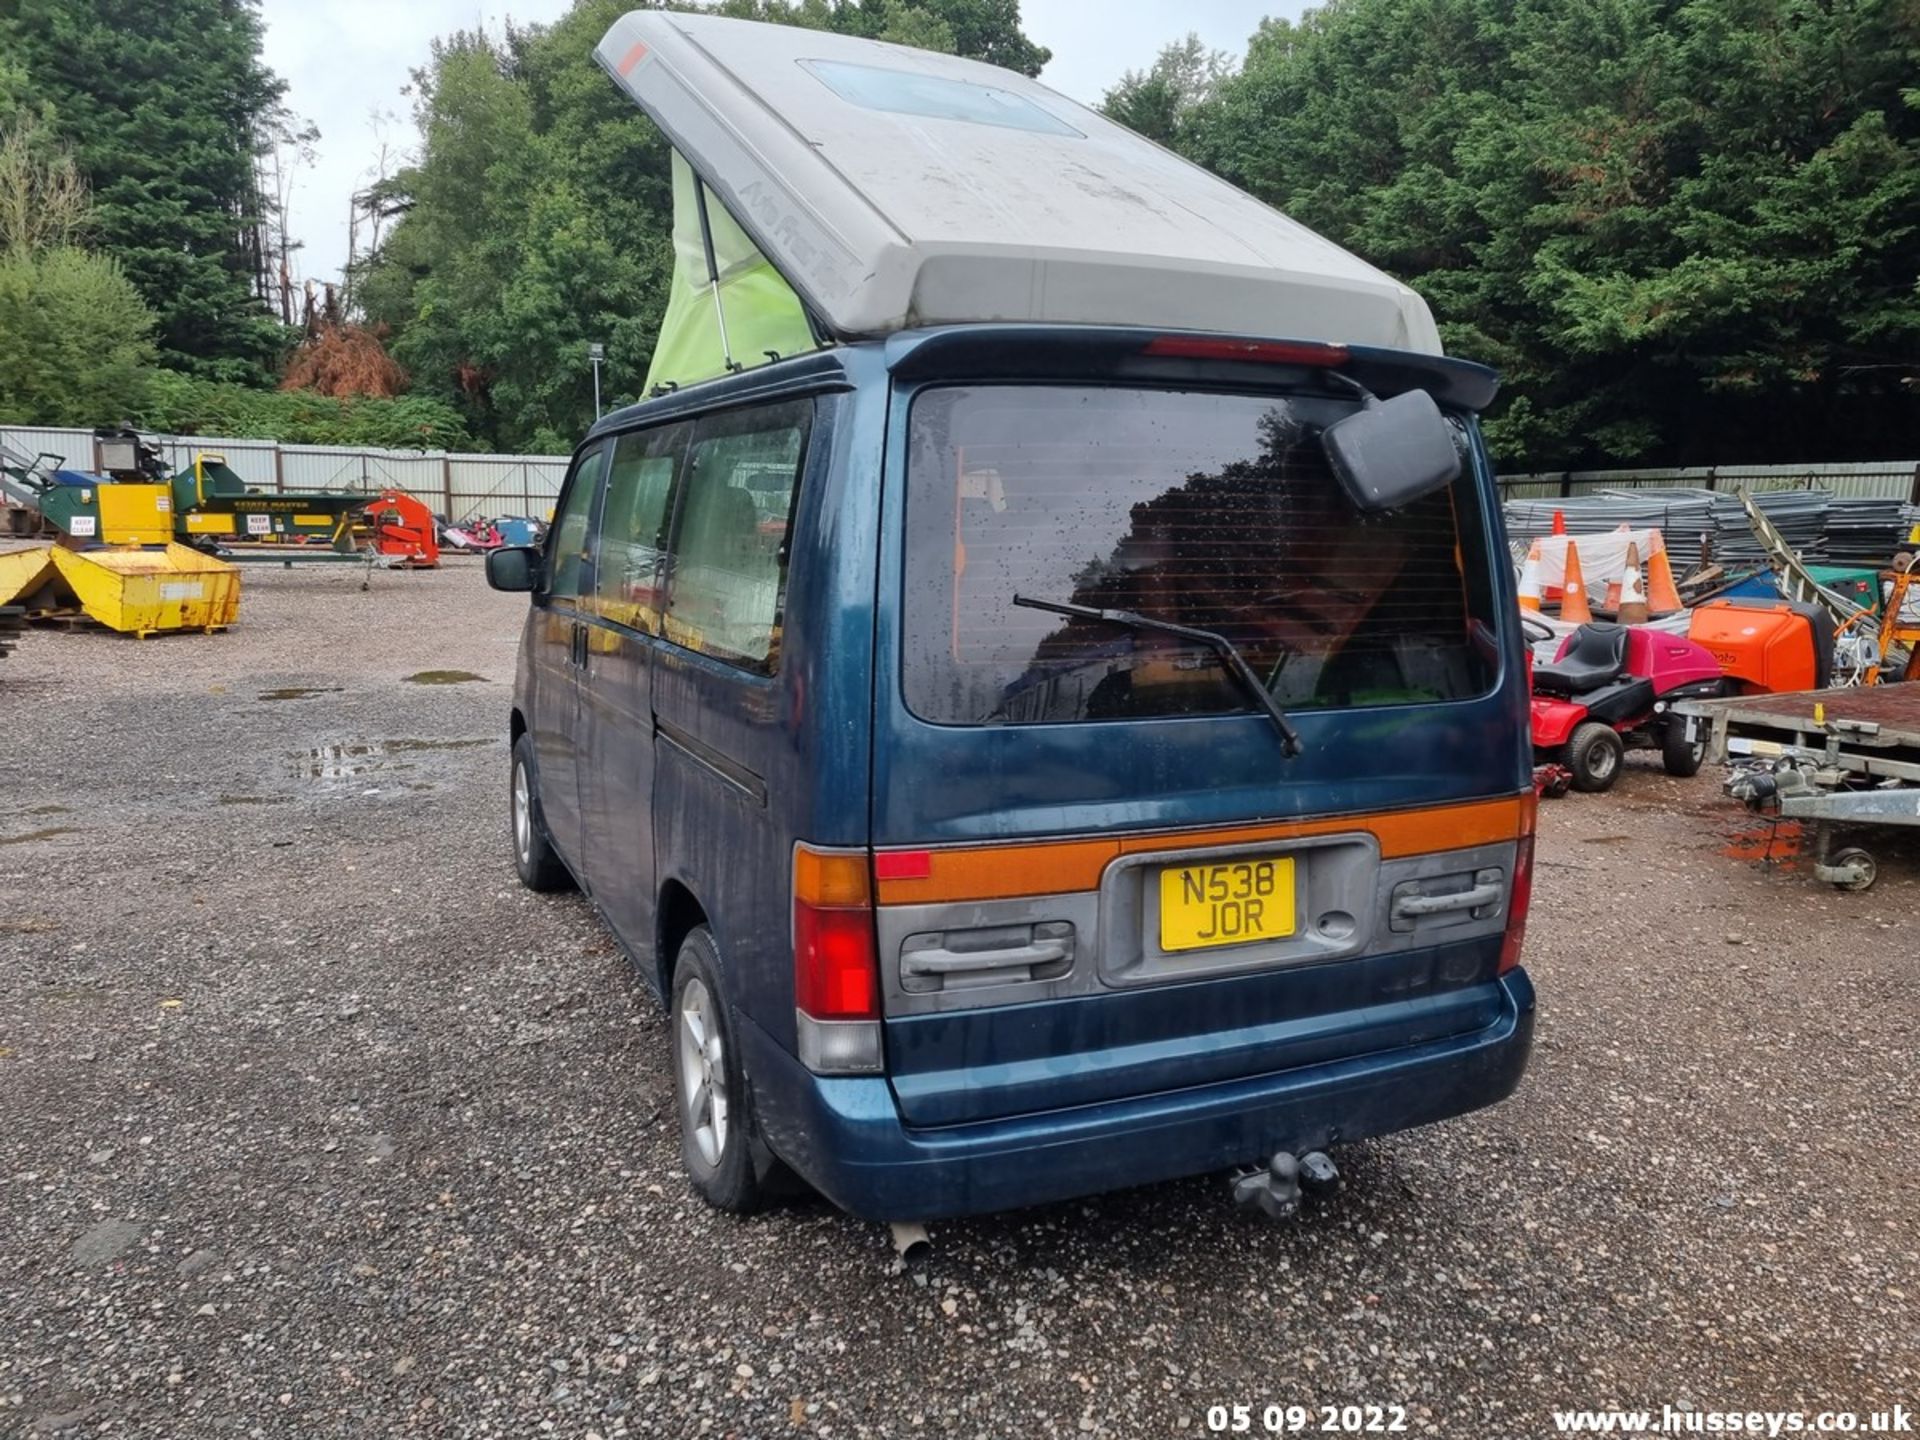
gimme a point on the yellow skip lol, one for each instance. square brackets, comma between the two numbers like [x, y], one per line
[23, 573]
[137, 592]
[140, 592]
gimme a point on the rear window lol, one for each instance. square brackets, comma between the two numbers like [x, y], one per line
[1212, 511]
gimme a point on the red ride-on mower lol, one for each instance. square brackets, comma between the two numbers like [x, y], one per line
[1610, 687]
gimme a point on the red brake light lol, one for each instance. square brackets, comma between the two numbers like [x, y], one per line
[834, 974]
[1263, 352]
[836, 970]
[1520, 893]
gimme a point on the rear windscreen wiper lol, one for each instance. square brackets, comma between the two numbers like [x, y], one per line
[1230, 658]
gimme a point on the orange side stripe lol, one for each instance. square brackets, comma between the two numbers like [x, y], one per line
[1056, 867]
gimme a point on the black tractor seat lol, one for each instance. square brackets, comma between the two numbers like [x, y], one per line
[1596, 657]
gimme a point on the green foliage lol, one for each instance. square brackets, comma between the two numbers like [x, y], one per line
[539, 217]
[187, 405]
[76, 349]
[162, 104]
[1161, 101]
[1684, 229]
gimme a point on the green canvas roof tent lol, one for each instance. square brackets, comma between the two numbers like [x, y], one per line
[851, 189]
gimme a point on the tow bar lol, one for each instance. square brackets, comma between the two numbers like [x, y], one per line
[1275, 1191]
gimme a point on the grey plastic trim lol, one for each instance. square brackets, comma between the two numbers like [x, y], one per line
[1113, 927]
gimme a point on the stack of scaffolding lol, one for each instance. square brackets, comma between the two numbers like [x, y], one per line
[1819, 525]
[1866, 532]
[1681, 516]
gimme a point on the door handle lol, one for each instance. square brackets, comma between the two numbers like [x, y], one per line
[579, 646]
[959, 962]
[1408, 907]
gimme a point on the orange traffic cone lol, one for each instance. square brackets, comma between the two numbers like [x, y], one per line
[1530, 580]
[1574, 609]
[1559, 522]
[1632, 609]
[1663, 596]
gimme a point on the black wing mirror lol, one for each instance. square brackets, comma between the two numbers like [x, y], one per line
[516, 567]
[1392, 452]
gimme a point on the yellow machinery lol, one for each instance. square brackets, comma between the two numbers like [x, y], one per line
[136, 514]
[137, 592]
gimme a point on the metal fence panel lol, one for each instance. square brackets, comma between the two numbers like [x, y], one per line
[1856, 480]
[251, 460]
[495, 485]
[75, 447]
[336, 467]
[458, 486]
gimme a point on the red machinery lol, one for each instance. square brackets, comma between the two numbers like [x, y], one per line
[1609, 687]
[402, 526]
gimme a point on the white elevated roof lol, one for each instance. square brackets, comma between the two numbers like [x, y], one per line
[894, 188]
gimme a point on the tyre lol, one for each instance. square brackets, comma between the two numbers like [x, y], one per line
[710, 1088]
[1594, 755]
[538, 863]
[1862, 862]
[1680, 755]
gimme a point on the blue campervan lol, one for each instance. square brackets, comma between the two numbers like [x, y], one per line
[1032, 757]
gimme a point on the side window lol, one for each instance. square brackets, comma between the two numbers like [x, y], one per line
[629, 568]
[568, 569]
[729, 570]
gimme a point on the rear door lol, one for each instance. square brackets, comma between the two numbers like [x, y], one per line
[1100, 874]
[616, 705]
[558, 648]
[730, 704]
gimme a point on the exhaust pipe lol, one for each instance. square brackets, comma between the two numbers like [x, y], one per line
[911, 1242]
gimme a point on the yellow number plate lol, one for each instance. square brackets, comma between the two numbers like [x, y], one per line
[1228, 904]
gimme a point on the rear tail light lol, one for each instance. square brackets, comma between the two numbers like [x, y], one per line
[836, 970]
[1262, 352]
[1520, 894]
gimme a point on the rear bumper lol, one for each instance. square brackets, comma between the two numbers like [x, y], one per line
[845, 1136]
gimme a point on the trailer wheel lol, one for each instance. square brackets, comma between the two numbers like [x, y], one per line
[1594, 755]
[1681, 756]
[1859, 860]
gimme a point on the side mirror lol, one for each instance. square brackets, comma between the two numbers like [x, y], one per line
[1392, 452]
[516, 567]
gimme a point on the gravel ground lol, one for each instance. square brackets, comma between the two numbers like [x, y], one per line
[313, 1123]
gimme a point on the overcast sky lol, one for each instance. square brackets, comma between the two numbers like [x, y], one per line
[346, 61]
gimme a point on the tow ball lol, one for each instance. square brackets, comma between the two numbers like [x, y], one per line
[1275, 1189]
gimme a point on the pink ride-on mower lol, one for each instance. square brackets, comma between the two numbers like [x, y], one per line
[1609, 688]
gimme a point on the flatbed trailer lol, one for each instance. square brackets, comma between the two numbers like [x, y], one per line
[1847, 757]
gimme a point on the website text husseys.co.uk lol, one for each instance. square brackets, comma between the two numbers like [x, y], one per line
[1896, 1420]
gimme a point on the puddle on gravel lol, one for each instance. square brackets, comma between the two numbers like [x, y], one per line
[443, 677]
[299, 692]
[47, 810]
[346, 761]
[47, 834]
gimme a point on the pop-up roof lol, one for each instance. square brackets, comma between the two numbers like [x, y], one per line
[894, 187]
